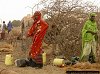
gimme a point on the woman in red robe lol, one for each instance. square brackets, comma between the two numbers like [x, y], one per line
[37, 32]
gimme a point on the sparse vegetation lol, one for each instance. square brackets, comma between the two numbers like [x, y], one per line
[16, 23]
[65, 19]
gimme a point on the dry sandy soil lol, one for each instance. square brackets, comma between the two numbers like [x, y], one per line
[18, 53]
[48, 69]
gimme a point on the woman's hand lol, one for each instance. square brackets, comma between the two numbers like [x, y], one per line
[94, 33]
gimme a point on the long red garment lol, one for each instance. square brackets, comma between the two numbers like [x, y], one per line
[37, 31]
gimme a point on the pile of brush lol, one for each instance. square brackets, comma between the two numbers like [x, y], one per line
[5, 47]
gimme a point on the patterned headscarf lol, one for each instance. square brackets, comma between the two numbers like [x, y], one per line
[37, 13]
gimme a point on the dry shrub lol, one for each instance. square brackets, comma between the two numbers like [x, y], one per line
[83, 65]
[98, 44]
[6, 47]
[66, 20]
[16, 31]
[13, 35]
[98, 55]
[86, 65]
[47, 48]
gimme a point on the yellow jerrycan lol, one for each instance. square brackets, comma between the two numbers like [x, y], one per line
[58, 62]
[8, 59]
[44, 58]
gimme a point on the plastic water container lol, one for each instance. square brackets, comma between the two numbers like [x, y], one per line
[9, 59]
[44, 58]
[58, 62]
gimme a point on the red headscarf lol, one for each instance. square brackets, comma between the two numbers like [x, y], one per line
[38, 15]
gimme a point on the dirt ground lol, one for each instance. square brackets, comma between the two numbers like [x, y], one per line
[48, 69]
[18, 54]
[28, 70]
